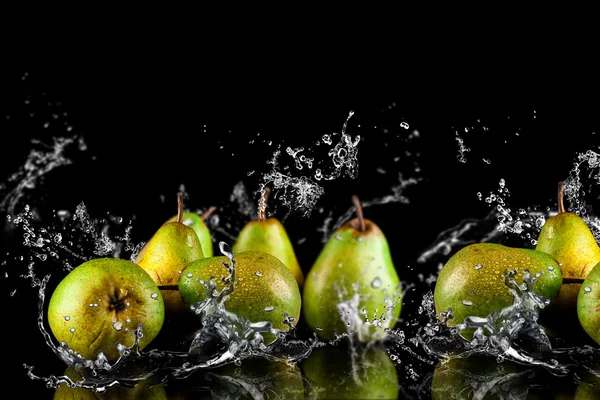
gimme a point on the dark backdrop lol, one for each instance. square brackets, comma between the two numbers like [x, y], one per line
[152, 126]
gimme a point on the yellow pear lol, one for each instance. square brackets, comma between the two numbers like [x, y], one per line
[269, 236]
[165, 256]
[569, 240]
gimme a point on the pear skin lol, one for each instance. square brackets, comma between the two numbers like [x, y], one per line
[270, 236]
[172, 247]
[472, 280]
[354, 264]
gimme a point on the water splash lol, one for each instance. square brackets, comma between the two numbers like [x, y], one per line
[223, 339]
[42, 159]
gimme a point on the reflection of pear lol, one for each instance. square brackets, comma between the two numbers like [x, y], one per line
[146, 389]
[482, 377]
[171, 248]
[568, 239]
[198, 224]
[269, 235]
[343, 372]
[254, 378]
[355, 268]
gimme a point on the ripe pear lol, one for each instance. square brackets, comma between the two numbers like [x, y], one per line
[100, 303]
[341, 372]
[173, 246]
[352, 279]
[270, 236]
[197, 222]
[471, 282]
[588, 304]
[265, 288]
[568, 239]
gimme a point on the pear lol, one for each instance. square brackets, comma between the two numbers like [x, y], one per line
[265, 289]
[172, 247]
[344, 372]
[198, 223]
[100, 303]
[472, 283]
[353, 279]
[568, 239]
[588, 304]
[270, 236]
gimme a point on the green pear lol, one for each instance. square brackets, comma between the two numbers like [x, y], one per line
[588, 304]
[197, 222]
[144, 389]
[586, 391]
[471, 282]
[353, 278]
[265, 288]
[270, 236]
[100, 303]
[173, 246]
[341, 372]
[568, 239]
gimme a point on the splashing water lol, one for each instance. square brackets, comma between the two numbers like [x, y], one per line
[224, 338]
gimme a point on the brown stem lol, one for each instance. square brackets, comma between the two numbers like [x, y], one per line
[359, 213]
[179, 207]
[561, 190]
[262, 204]
[572, 280]
[207, 213]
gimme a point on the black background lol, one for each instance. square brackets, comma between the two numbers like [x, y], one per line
[157, 120]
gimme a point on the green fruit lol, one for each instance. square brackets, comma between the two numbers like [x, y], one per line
[586, 391]
[354, 266]
[165, 256]
[588, 304]
[265, 289]
[334, 373]
[472, 280]
[99, 304]
[569, 240]
[269, 235]
[145, 389]
[196, 222]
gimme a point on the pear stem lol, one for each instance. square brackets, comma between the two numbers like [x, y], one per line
[561, 190]
[207, 213]
[179, 207]
[359, 213]
[262, 204]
